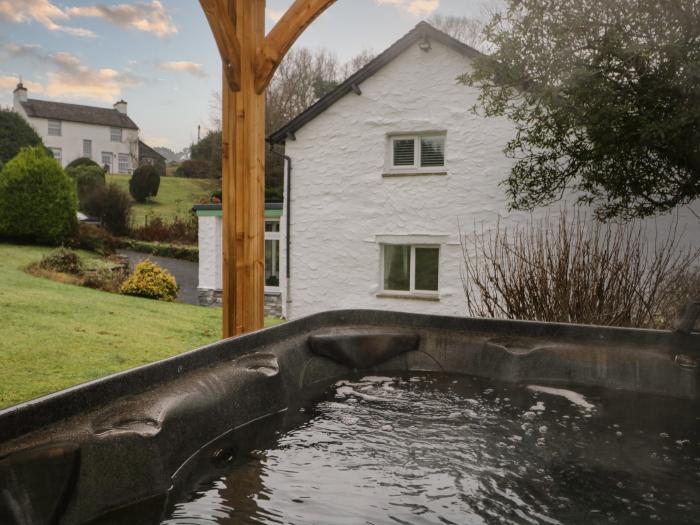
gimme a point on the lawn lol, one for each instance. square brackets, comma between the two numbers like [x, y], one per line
[56, 335]
[175, 198]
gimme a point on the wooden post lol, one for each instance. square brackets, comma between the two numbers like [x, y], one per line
[243, 179]
[249, 61]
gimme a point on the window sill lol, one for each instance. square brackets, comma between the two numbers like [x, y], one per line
[415, 173]
[408, 295]
[273, 290]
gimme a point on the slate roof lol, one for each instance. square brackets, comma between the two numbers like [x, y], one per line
[147, 151]
[77, 113]
[419, 33]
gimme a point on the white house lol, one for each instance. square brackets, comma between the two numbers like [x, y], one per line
[385, 173]
[106, 135]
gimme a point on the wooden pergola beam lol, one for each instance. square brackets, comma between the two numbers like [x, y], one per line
[281, 38]
[226, 39]
[249, 60]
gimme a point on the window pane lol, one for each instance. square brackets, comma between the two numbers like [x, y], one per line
[115, 134]
[55, 127]
[397, 268]
[272, 226]
[272, 263]
[432, 151]
[87, 148]
[427, 263]
[124, 163]
[404, 152]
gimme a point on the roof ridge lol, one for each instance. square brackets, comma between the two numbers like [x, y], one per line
[421, 30]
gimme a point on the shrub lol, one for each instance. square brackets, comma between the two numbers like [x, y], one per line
[577, 272]
[151, 281]
[174, 251]
[95, 239]
[194, 169]
[106, 279]
[62, 260]
[38, 201]
[83, 162]
[112, 206]
[144, 183]
[157, 230]
[15, 134]
[87, 179]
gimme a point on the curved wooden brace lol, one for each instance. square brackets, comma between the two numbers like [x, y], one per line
[226, 40]
[278, 41]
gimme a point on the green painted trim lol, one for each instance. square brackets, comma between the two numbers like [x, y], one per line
[269, 214]
[209, 213]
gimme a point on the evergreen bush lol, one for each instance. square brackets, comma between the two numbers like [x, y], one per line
[87, 179]
[38, 201]
[144, 183]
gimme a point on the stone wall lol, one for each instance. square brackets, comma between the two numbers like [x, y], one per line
[273, 301]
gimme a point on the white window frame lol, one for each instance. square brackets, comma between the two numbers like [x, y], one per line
[412, 292]
[113, 134]
[416, 168]
[57, 154]
[56, 126]
[86, 154]
[275, 236]
[126, 164]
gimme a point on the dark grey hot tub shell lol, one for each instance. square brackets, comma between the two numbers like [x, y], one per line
[80, 455]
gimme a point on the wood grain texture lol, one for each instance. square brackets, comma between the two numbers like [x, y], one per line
[243, 181]
[281, 38]
[222, 27]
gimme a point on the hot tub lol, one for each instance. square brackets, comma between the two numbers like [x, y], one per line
[132, 447]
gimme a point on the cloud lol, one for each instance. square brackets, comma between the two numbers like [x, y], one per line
[9, 83]
[275, 14]
[42, 11]
[183, 66]
[149, 17]
[414, 7]
[68, 77]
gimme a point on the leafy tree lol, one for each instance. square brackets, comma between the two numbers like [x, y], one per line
[208, 150]
[112, 206]
[144, 183]
[38, 201]
[605, 97]
[15, 133]
[83, 161]
[87, 178]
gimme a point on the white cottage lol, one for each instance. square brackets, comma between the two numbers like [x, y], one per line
[384, 173]
[106, 135]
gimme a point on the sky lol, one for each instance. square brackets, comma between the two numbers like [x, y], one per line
[160, 56]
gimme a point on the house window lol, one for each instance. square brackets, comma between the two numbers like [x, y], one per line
[87, 148]
[124, 163]
[416, 153]
[107, 160]
[272, 253]
[115, 134]
[57, 154]
[55, 128]
[411, 269]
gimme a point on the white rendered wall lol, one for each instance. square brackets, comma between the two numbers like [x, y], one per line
[343, 208]
[73, 133]
[210, 253]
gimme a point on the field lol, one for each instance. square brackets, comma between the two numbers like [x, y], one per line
[175, 198]
[56, 335]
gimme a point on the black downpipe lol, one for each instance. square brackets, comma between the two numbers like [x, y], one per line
[288, 203]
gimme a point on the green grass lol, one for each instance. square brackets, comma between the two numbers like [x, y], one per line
[57, 335]
[175, 198]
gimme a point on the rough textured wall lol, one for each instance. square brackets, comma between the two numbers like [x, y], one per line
[210, 253]
[342, 206]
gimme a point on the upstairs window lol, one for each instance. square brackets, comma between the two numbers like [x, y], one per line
[416, 153]
[87, 148]
[55, 128]
[411, 269]
[115, 134]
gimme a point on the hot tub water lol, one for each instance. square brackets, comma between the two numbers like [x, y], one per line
[457, 449]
